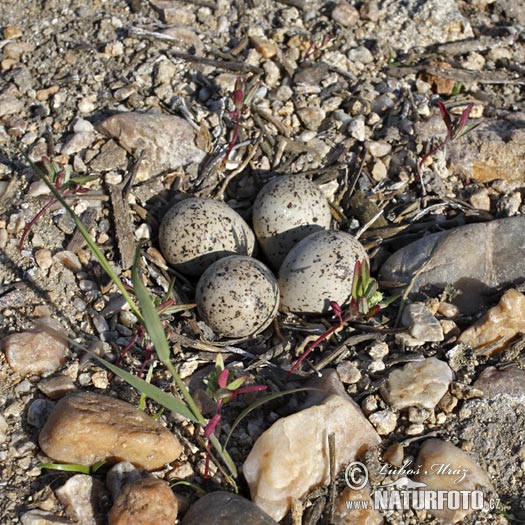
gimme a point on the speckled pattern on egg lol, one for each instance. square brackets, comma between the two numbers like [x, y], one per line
[319, 269]
[286, 210]
[237, 296]
[196, 232]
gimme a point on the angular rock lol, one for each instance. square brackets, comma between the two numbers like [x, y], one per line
[510, 381]
[475, 259]
[147, 501]
[167, 141]
[41, 517]
[225, 508]
[121, 474]
[492, 332]
[345, 14]
[37, 351]
[78, 142]
[84, 499]
[421, 323]
[111, 156]
[86, 428]
[493, 150]
[57, 386]
[442, 466]
[278, 469]
[417, 384]
[10, 105]
[361, 515]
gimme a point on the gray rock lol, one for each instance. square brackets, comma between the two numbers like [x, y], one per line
[421, 323]
[84, 499]
[111, 156]
[225, 508]
[9, 105]
[475, 259]
[420, 383]
[4, 428]
[41, 517]
[121, 474]
[39, 411]
[78, 142]
[167, 141]
[493, 382]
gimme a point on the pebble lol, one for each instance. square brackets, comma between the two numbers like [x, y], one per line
[362, 515]
[78, 142]
[167, 141]
[266, 48]
[311, 117]
[83, 498]
[277, 469]
[345, 14]
[36, 351]
[42, 517]
[378, 148]
[394, 454]
[225, 508]
[146, 501]
[119, 475]
[39, 411]
[433, 261]
[417, 384]
[185, 40]
[348, 372]
[4, 428]
[507, 381]
[119, 432]
[57, 386]
[44, 259]
[69, 260]
[111, 156]
[384, 421]
[502, 323]
[442, 466]
[357, 129]
[10, 105]
[421, 323]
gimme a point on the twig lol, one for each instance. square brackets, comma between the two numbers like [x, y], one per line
[329, 516]
[229, 65]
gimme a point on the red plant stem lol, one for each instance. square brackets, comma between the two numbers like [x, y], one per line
[318, 341]
[27, 229]
[234, 137]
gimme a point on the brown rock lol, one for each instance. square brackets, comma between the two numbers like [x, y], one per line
[111, 156]
[86, 428]
[37, 351]
[264, 47]
[167, 141]
[148, 501]
[492, 332]
[57, 386]
[442, 466]
[278, 469]
[493, 382]
[345, 14]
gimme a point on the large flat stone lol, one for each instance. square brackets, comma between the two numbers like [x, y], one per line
[475, 259]
[168, 142]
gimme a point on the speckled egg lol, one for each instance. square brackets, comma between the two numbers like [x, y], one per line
[197, 232]
[237, 296]
[319, 269]
[286, 210]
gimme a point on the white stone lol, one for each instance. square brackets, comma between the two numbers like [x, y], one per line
[291, 457]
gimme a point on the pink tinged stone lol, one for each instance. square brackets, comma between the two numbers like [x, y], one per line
[291, 458]
[492, 332]
[86, 428]
[417, 384]
[36, 351]
[168, 142]
[442, 466]
[360, 514]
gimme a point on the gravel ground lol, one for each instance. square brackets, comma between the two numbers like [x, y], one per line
[346, 95]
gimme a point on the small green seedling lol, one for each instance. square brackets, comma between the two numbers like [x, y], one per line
[366, 302]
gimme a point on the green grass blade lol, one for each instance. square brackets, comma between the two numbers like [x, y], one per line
[163, 398]
[152, 321]
[143, 397]
[64, 467]
[101, 258]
